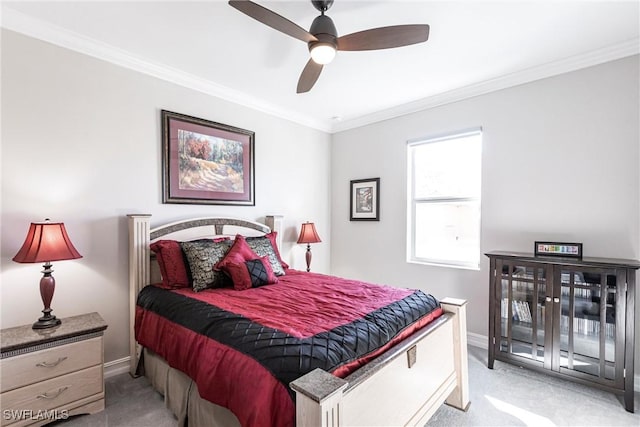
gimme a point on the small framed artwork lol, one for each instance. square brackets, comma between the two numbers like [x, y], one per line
[205, 162]
[365, 200]
[560, 249]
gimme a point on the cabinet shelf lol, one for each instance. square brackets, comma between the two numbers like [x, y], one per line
[560, 315]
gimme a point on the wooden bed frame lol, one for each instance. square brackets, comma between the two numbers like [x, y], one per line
[405, 385]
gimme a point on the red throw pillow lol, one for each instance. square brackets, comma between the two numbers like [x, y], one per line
[251, 273]
[239, 253]
[245, 268]
[172, 264]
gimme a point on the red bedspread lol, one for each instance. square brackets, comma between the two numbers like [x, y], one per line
[242, 348]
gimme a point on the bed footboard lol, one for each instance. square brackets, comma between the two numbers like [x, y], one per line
[406, 385]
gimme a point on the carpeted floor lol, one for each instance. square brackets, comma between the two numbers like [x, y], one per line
[504, 396]
[513, 396]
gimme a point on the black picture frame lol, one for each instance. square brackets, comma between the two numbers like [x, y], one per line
[558, 249]
[206, 162]
[365, 200]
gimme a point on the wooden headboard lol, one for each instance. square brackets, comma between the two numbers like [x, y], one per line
[143, 268]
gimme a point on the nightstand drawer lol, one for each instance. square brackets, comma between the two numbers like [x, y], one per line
[44, 364]
[54, 393]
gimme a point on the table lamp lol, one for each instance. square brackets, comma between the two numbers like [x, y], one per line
[46, 242]
[308, 235]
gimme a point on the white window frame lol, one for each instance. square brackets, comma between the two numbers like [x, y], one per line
[412, 201]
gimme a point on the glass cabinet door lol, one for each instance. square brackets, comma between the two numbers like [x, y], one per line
[587, 328]
[523, 310]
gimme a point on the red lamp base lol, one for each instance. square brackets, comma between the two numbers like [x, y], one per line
[308, 257]
[47, 286]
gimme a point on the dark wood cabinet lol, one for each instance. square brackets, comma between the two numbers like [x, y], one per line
[569, 317]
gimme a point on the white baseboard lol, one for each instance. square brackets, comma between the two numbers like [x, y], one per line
[482, 341]
[477, 340]
[116, 367]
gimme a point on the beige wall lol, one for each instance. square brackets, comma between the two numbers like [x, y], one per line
[559, 163]
[81, 144]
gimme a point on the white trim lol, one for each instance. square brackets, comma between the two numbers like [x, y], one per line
[36, 28]
[116, 367]
[445, 136]
[573, 63]
[477, 340]
[588, 59]
[42, 30]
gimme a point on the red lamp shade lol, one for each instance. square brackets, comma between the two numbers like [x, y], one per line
[308, 234]
[46, 241]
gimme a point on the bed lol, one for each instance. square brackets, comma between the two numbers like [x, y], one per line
[421, 365]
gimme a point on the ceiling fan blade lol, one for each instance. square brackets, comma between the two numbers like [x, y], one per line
[384, 37]
[272, 19]
[309, 76]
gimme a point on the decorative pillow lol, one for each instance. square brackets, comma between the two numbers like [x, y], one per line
[251, 273]
[171, 262]
[274, 242]
[202, 255]
[266, 246]
[239, 253]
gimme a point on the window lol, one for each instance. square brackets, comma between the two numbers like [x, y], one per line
[443, 224]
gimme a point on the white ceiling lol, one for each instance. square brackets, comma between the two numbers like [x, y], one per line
[474, 47]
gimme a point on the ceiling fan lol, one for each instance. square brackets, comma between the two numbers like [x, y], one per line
[322, 38]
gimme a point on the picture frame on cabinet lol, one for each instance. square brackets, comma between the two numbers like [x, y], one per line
[365, 200]
[206, 162]
[559, 249]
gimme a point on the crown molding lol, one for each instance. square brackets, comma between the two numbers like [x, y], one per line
[19, 22]
[573, 63]
[16, 21]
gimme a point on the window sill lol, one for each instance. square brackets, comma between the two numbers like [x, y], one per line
[445, 264]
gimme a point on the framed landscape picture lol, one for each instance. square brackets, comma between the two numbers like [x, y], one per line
[205, 162]
[365, 200]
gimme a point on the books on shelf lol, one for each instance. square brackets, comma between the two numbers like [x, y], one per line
[584, 326]
[520, 310]
[525, 311]
[584, 293]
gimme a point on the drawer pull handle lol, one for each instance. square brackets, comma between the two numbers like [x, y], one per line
[53, 396]
[51, 365]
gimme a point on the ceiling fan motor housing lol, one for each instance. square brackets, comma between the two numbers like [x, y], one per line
[325, 31]
[322, 5]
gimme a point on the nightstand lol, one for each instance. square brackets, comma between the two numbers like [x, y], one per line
[50, 374]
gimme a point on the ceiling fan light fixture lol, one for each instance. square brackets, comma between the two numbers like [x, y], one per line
[322, 38]
[323, 53]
